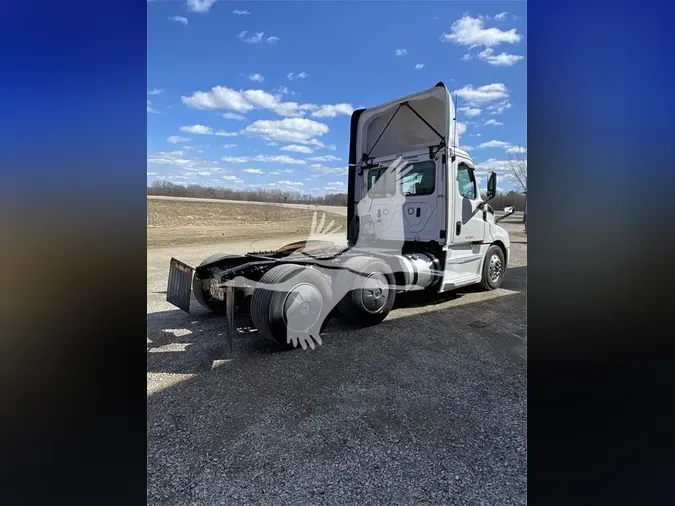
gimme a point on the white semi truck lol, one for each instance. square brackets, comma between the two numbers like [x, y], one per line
[416, 221]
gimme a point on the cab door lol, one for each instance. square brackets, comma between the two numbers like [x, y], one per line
[467, 228]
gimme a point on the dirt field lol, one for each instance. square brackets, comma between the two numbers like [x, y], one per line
[173, 222]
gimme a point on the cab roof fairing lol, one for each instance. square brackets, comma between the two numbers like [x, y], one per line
[407, 132]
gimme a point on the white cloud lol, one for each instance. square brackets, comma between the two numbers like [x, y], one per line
[301, 75]
[500, 60]
[234, 179]
[324, 158]
[495, 144]
[204, 173]
[272, 143]
[493, 122]
[206, 130]
[197, 129]
[200, 5]
[150, 109]
[401, 52]
[219, 97]
[237, 12]
[253, 171]
[274, 173]
[228, 146]
[253, 39]
[297, 130]
[501, 16]
[234, 115]
[151, 174]
[330, 111]
[469, 111]
[155, 92]
[482, 94]
[179, 19]
[236, 159]
[500, 107]
[256, 77]
[516, 150]
[335, 186]
[288, 171]
[265, 159]
[466, 148]
[179, 159]
[298, 149]
[291, 183]
[461, 128]
[469, 31]
[419, 66]
[175, 139]
[243, 101]
[284, 90]
[317, 167]
[257, 38]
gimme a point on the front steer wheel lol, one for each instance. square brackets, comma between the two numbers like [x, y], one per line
[494, 268]
[290, 305]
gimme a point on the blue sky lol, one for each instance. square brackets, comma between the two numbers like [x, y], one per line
[259, 94]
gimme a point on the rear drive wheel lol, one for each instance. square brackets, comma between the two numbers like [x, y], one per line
[494, 268]
[200, 287]
[366, 286]
[290, 305]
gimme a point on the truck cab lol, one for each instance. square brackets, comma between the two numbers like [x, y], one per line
[430, 202]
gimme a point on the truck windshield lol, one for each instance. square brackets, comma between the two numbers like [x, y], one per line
[420, 180]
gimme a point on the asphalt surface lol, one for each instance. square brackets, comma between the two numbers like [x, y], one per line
[429, 407]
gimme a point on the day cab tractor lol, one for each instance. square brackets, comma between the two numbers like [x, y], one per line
[416, 221]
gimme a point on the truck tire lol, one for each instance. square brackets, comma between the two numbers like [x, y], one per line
[296, 287]
[366, 287]
[494, 268]
[203, 296]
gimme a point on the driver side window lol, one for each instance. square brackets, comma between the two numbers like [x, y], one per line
[466, 183]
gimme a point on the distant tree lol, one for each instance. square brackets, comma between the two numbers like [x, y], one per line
[517, 167]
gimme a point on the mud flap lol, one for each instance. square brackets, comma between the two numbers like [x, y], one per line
[180, 284]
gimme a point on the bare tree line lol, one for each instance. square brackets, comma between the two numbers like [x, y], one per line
[517, 167]
[167, 189]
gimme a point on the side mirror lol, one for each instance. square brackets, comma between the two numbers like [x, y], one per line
[492, 185]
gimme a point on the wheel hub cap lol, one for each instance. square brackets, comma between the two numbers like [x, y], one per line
[375, 292]
[495, 268]
[302, 307]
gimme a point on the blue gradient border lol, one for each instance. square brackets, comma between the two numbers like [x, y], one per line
[600, 114]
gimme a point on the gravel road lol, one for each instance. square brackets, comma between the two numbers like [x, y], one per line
[429, 407]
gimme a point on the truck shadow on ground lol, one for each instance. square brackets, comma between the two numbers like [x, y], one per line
[189, 344]
[431, 397]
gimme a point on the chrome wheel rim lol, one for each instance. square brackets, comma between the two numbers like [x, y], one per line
[302, 307]
[495, 268]
[375, 292]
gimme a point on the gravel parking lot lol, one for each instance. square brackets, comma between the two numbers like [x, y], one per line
[429, 407]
